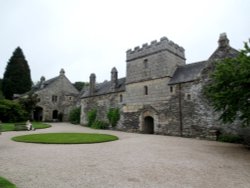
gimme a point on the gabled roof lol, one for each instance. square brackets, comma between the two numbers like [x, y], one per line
[41, 85]
[187, 73]
[105, 88]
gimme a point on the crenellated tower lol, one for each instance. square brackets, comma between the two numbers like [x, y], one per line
[155, 60]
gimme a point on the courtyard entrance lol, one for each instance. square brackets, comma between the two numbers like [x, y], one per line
[55, 115]
[38, 114]
[148, 127]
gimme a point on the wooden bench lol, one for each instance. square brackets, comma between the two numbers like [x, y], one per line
[20, 127]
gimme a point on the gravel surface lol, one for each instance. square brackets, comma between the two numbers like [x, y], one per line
[134, 161]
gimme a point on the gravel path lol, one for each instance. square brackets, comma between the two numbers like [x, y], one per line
[134, 161]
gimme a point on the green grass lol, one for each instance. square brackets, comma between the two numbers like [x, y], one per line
[5, 183]
[65, 138]
[11, 126]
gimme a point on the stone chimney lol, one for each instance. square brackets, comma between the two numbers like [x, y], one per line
[114, 79]
[223, 41]
[42, 80]
[92, 84]
[62, 72]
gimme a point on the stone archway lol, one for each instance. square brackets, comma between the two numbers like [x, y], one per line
[55, 115]
[38, 114]
[148, 125]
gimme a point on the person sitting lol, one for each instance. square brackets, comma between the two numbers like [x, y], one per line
[29, 126]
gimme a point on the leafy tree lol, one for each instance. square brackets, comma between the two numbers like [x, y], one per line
[12, 111]
[91, 117]
[229, 89]
[113, 116]
[74, 115]
[17, 79]
[29, 103]
[80, 85]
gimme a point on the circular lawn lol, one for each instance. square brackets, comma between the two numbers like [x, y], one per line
[65, 138]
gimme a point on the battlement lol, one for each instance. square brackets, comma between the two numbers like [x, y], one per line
[154, 47]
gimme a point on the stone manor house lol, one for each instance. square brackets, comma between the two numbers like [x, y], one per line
[160, 94]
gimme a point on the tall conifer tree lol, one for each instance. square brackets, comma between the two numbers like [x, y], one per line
[17, 79]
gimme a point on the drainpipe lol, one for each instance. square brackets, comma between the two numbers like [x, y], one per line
[180, 109]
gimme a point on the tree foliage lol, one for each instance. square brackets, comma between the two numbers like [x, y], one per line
[80, 85]
[74, 115]
[12, 111]
[229, 90]
[1, 90]
[17, 79]
[113, 116]
[91, 117]
[29, 103]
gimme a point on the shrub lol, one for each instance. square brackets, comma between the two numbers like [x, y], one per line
[113, 116]
[99, 125]
[230, 138]
[74, 115]
[91, 116]
[12, 111]
[245, 133]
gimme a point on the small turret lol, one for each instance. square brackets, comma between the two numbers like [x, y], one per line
[114, 78]
[92, 84]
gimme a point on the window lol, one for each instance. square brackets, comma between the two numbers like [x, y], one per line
[121, 98]
[54, 98]
[171, 89]
[145, 63]
[145, 90]
[189, 97]
[38, 100]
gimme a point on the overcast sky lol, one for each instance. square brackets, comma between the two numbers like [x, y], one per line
[92, 36]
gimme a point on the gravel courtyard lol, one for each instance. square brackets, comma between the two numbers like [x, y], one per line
[134, 161]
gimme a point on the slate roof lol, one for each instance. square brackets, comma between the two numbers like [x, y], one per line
[187, 73]
[39, 86]
[105, 88]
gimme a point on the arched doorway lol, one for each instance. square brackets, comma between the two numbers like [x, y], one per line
[55, 115]
[38, 113]
[148, 126]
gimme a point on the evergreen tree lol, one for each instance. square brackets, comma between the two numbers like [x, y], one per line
[1, 90]
[17, 79]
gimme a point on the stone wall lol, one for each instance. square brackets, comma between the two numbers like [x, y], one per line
[66, 98]
[101, 103]
[155, 61]
[157, 90]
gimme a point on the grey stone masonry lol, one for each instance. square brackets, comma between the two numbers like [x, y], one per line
[158, 60]
[155, 46]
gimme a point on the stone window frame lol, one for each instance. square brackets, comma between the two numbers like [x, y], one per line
[171, 89]
[145, 90]
[188, 96]
[145, 63]
[121, 98]
[54, 98]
